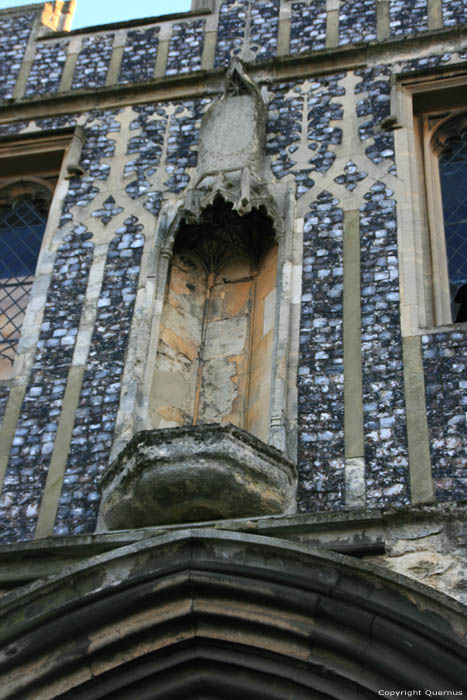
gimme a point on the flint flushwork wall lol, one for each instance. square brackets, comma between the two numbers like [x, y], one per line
[323, 136]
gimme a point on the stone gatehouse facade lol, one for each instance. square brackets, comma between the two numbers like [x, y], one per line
[233, 313]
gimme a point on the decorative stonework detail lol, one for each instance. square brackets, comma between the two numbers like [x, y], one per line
[230, 31]
[386, 455]
[36, 429]
[445, 364]
[14, 35]
[375, 107]
[357, 21]
[100, 392]
[186, 47]
[108, 211]
[408, 16]
[139, 55]
[321, 368]
[322, 110]
[182, 153]
[287, 127]
[147, 147]
[47, 68]
[351, 176]
[284, 126]
[82, 190]
[264, 27]
[308, 26]
[93, 61]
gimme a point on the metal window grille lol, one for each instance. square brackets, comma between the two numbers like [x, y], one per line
[453, 173]
[22, 227]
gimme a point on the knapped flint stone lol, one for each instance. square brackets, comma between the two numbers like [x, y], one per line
[197, 473]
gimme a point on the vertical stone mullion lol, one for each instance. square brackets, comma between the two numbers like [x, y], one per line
[353, 385]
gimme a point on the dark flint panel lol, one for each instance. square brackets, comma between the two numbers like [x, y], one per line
[36, 429]
[321, 365]
[285, 124]
[372, 108]
[93, 61]
[139, 55]
[264, 28]
[308, 26]
[454, 12]
[99, 400]
[14, 35]
[386, 454]
[408, 16]
[230, 31]
[445, 367]
[4, 394]
[186, 47]
[47, 68]
[146, 147]
[97, 146]
[182, 143]
[357, 21]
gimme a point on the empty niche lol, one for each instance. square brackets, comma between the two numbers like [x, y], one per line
[215, 352]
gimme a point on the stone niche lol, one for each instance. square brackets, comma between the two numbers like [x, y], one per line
[214, 397]
[196, 473]
[215, 354]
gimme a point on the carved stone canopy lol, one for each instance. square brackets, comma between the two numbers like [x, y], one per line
[231, 154]
[220, 234]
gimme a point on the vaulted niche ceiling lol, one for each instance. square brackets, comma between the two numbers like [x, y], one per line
[214, 361]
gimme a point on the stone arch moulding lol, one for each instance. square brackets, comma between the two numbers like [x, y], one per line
[220, 344]
[203, 613]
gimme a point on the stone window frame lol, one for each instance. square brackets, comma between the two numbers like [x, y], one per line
[422, 102]
[14, 152]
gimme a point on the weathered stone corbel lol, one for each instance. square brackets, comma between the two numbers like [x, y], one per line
[73, 168]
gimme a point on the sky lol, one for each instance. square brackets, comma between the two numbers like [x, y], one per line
[91, 12]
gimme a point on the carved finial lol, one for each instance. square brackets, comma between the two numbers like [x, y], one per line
[237, 82]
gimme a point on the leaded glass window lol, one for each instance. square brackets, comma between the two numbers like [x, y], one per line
[22, 226]
[453, 175]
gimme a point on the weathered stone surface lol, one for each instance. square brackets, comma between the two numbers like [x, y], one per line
[430, 548]
[232, 135]
[195, 473]
[175, 613]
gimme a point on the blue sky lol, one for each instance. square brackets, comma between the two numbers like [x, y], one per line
[90, 12]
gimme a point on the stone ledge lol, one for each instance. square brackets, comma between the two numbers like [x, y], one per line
[204, 472]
